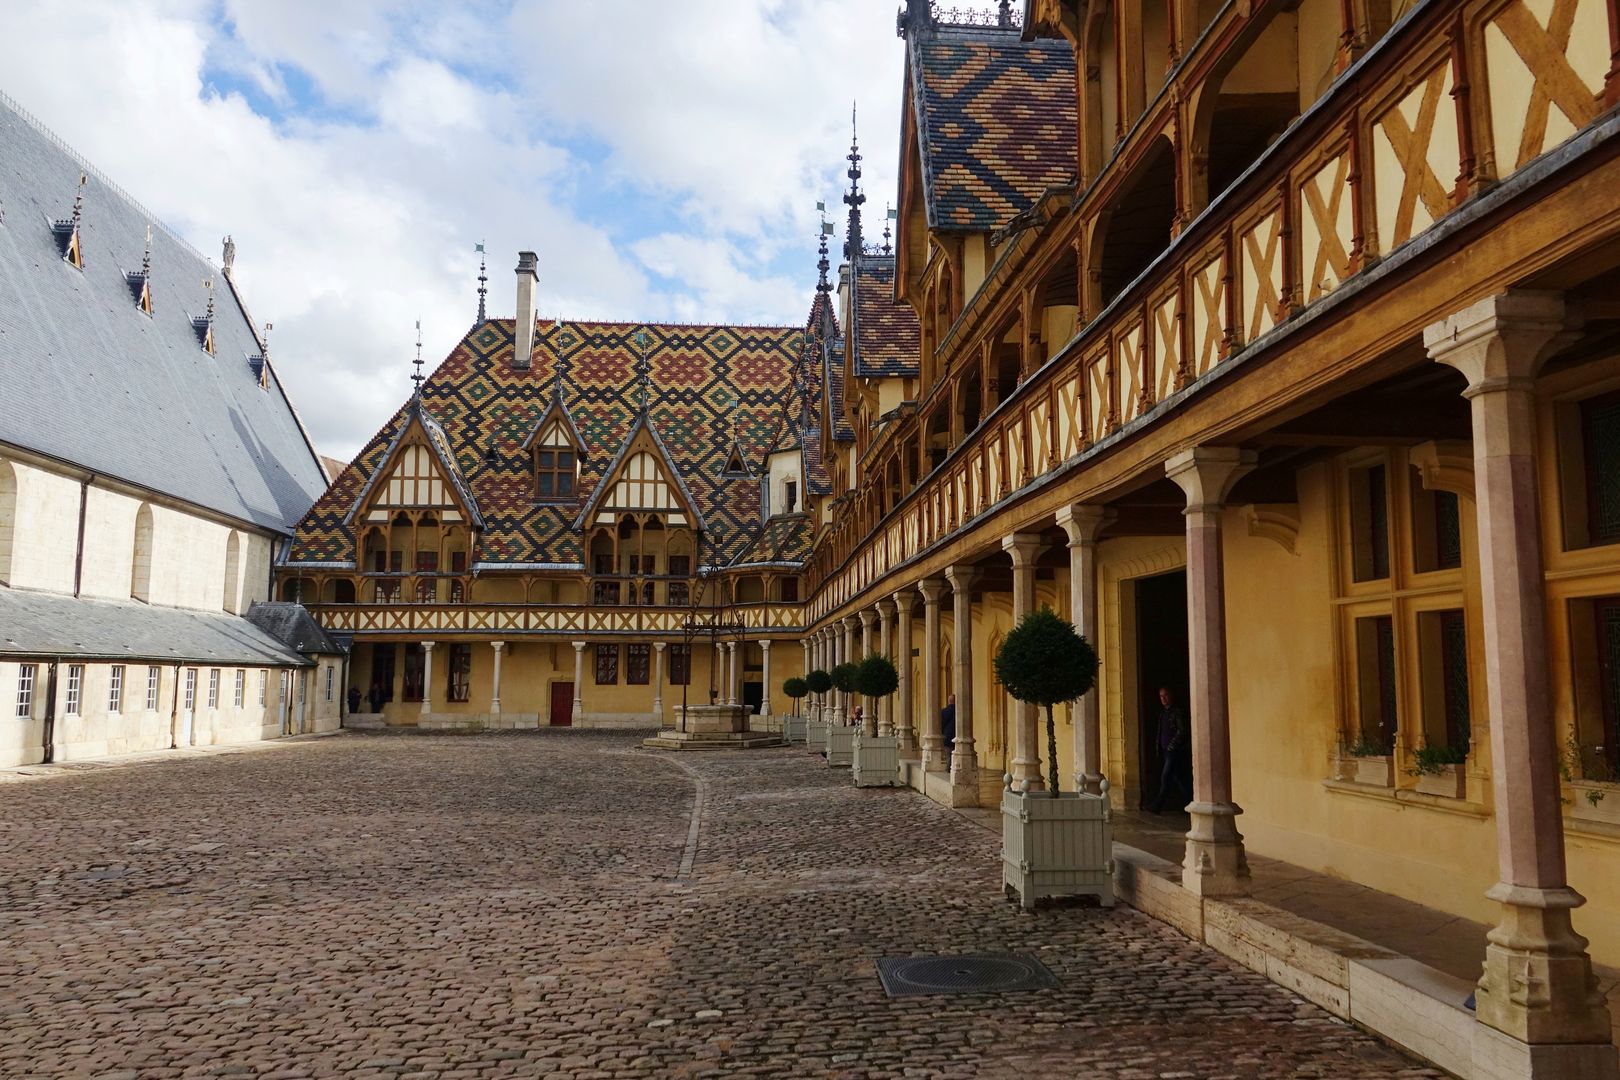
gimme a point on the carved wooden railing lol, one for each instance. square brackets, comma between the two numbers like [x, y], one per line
[559, 619]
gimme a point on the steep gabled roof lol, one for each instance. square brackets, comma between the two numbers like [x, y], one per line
[417, 418]
[643, 434]
[995, 122]
[785, 538]
[486, 409]
[887, 337]
[88, 378]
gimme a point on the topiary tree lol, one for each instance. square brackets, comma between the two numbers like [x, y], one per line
[843, 680]
[819, 683]
[1043, 661]
[795, 688]
[876, 677]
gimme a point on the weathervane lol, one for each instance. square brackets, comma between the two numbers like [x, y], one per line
[483, 279]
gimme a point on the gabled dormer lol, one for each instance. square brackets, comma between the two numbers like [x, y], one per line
[642, 479]
[556, 452]
[417, 475]
[66, 230]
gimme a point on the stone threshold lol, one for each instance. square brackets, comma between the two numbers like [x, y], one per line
[1400, 999]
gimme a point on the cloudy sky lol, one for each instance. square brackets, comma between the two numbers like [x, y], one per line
[664, 157]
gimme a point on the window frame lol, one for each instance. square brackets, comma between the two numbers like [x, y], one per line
[458, 673]
[213, 688]
[27, 679]
[154, 680]
[73, 698]
[240, 697]
[606, 663]
[115, 689]
[638, 664]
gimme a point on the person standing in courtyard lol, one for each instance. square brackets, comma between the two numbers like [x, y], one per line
[376, 697]
[354, 700]
[1172, 739]
[947, 723]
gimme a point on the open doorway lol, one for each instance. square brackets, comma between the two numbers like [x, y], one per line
[1161, 661]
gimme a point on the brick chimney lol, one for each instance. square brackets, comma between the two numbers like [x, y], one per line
[527, 275]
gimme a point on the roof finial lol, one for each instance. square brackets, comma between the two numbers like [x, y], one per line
[643, 372]
[146, 259]
[208, 283]
[853, 198]
[78, 201]
[822, 265]
[416, 395]
[483, 291]
[888, 241]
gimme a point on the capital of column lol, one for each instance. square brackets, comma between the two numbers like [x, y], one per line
[851, 623]
[904, 602]
[962, 578]
[932, 591]
[765, 645]
[658, 646]
[579, 646]
[885, 610]
[868, 617]
[1024, 548]
[427, 646]
[497, 645]
[1502, 340]
[1206, 474]
[1083, 521]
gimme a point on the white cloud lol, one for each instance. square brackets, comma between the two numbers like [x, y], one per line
[405, 131]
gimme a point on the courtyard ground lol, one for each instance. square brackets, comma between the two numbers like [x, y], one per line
[550, 904]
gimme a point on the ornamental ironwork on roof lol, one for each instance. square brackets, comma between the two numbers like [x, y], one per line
[995, 121]
[485, 410]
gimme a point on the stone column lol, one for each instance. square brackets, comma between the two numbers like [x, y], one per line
[579, 680]
[1537, 985]
[905, 720]
[765, 667]
[885, 709]
[964, 765]
[427, 677]
[835, 654]
[658, 681]
[1215, 864]
[495, 688]
[869, 724]
[804, 671]
[731, 673]
[934, 754]
[1024, 548]
[851, 655]
[1082, 523]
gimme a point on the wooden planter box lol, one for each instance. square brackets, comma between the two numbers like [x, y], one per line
[1057, 846]
[1451, 782]
[1375, 771]
[876, 761]
[793, 729]
[815, 735]
[840, 746]
[1606, 809]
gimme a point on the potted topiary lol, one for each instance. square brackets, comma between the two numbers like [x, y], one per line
[1439, 770]
[815, 729]
[793, 724]
[1053, 842]
[876, 758]
[840, 734]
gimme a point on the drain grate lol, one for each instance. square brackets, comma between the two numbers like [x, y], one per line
[990, 973]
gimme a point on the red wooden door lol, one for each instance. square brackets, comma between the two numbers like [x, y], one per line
[562, 704]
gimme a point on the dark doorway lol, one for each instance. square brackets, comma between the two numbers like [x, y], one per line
[562, 704]
[1161, 660]
[753, 696]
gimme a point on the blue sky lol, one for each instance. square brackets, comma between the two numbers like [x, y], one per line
[664, 158]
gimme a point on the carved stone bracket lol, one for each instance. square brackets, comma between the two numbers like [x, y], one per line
[1277, 522]
[1446, 465]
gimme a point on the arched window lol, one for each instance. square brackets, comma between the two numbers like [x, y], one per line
[233, 573]
[140, 578]
[8, 518]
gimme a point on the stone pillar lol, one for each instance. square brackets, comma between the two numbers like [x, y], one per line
[935, 756]
[495, 687]
[765, 667]
[964, 765]
[731, 673]
[658, 681]
[835, 655]
[579, 680]
[427, 677]
[905, 718]
[1024, 548]
[851, 625]
[869, 724]
[885, 709]
[1215, 864]
[1537, 986]
[804, 671]
[1082, 523]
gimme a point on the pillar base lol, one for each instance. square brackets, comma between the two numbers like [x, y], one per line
[1215, 864]
[1498, 1056]
[935, 757]
[1538, 986]
[964, 765]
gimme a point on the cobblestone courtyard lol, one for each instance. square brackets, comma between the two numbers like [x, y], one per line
[482, 906]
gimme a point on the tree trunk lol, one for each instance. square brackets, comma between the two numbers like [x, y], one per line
[1051, 752]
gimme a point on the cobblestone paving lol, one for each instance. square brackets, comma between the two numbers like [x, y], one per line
[528, 905]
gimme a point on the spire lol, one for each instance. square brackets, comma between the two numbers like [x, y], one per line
[67, 230]
[203, 326]
[917, 17]
[140, 282]
[853, 198]
[822, 265]
[416, 394]
[483, 291]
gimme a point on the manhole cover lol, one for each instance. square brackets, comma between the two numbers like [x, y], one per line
[994, 973]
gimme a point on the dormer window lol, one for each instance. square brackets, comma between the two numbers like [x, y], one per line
[555, 454]
[554, 472]
[790, 496]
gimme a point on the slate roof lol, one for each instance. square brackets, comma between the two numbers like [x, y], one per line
[40, 625]
[481, 403]
[88, 378]
[784, 538]
[995, 118]
[293, 626]
[886, 333]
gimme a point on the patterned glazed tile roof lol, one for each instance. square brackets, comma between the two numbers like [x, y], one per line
[480, 402]
[783, 539]
[995, 118]
[887, 337]
[823, 321]
[832, 365]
